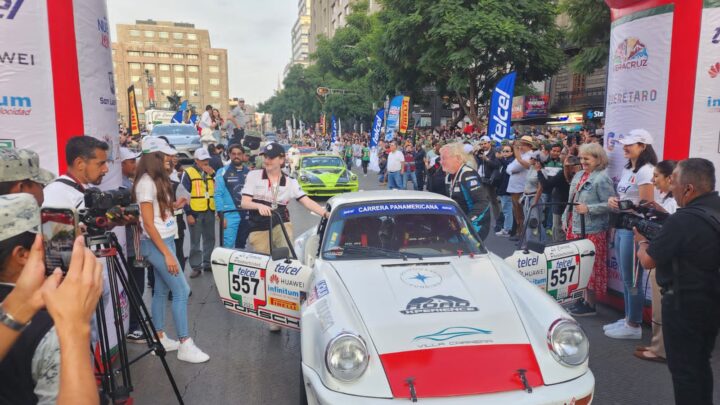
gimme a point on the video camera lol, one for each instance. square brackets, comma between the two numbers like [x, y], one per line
[104, 207]
[649, 224]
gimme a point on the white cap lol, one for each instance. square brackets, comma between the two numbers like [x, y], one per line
[467, 148]
[637, 136]
[201, 154]
[484, 138]
[151, 144]
[127, 154]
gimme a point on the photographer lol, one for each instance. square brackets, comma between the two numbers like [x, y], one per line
[687, 259]
[489, 171]
[559, 186]
[153, 192]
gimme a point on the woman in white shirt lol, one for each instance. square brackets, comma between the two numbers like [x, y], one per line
[635, 185]
[666, 204]
[153, 192]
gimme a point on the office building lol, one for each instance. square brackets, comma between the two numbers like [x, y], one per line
[326, 16]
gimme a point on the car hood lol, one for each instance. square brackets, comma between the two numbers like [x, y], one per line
[319, 171]
[449, 324]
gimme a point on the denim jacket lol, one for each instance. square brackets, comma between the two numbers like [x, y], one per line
[595, 194]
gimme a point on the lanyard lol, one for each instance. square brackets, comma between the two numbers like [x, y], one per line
[274, 189]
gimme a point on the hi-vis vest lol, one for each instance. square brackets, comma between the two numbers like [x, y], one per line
[201, 191]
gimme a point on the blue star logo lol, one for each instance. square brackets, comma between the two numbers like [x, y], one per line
[422, 278]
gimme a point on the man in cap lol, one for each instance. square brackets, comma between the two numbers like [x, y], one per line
[198, 179]
[20, 172]
[237, 117]
[229, 182]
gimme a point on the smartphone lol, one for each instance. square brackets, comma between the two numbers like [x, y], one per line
[59, 227]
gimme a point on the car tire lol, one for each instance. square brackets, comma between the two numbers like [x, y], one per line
[302, 395]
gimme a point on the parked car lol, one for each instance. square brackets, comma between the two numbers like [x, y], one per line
[325, 174]
[396, 298]
[184, 137]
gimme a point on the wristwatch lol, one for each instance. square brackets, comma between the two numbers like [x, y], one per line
[8, 320]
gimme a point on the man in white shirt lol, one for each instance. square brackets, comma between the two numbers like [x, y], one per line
[518, 169]
[395, 167]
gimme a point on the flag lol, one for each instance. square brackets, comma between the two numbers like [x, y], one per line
[404, 114]
[500, 108]
[333, 134]
[178, 118]
[393, 119]
[377, 126]
[132, 108]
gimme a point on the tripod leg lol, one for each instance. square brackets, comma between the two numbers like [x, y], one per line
[103, 364]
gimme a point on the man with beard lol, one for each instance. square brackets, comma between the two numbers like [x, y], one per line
[229, 181]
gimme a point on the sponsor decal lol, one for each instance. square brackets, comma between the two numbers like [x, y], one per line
[563, 276]
[15, 105]
[396, 207]
[452, 333]
[287, 269]
[104, 29]
[111, 80]
[325, 315]
[244, 281]
[560, 251]
[293, 306]
[421, 278]
[248, 259]
[633, 97]
[262, 314]
[716, 37]
[630, 54]
[9, 8]
[17, 58]
[713, 104]
[289, 283]
[7, 144]
[319, 290]
[528, 261]
[436, 304]
[283, 291]
[714, 70]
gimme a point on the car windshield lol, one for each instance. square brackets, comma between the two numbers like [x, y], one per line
[398, 229]
[314, 161]
[174, 130]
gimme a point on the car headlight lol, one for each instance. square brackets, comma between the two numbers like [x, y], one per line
[346, 357]
[304, 178]
[353, 177]
[568, 342]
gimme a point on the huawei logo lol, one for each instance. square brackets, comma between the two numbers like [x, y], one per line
[274, 279]
[714, 70]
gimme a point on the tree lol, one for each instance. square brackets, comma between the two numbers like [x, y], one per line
[464, 47]
[589, 31]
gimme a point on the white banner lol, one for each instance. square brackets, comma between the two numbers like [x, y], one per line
[705, 136]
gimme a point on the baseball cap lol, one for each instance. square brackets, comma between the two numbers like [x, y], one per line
[22, 164]
[127, 154]
[201, 154]
[484, 138]
[152, 144]
[637, 136]
[272, 150]
[20, 214]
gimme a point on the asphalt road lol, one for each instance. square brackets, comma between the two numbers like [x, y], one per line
[250, 365]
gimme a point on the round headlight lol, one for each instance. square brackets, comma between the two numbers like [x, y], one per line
[346, 357]
[304, 178]
[353, 177]
[568, 342]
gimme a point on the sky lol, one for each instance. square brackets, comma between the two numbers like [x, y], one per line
[256, 34]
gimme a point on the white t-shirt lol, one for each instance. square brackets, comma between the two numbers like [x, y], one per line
[60, 195]
[669, 204]
[395, 161]
[628, 186]
[518, 174]
[146, 191]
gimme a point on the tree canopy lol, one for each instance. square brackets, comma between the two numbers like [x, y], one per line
[589, 31]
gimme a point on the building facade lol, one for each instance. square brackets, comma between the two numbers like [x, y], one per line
[301, 34]
[326, 16]
[176, 58]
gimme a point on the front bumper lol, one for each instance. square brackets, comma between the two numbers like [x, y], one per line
[323, 190]
[578, 391]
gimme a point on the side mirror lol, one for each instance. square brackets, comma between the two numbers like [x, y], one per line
[535, 246]
[279, 253]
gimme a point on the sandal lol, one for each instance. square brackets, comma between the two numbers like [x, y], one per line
[641, 348]
[652, 356]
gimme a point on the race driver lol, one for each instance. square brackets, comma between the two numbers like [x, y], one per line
[229, 181]
[463, 185]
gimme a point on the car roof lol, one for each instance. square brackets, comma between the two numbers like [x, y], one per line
[386, 195]
[322, 154]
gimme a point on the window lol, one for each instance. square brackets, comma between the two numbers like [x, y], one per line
[193, 68]
[134, 33]
[192, 56]
[134, 78]
[139, 103]
[179, 80]
[213, 57]
[179, 45]
[180, 93]
[149, 34]
[149, 43]
[177, 35]
[163, 34]
[134, 65]
[192, 37]
[164, 68]
[215, 82]
[192, 45]
[113, 52]
[215, 94]
[213, 69]
[149, 66]
[165, 80]
[149, 54]
[166, 105]
[178, 56]
[165, 92]
[138, 91]
[163, 55]
[194, 80]
[133, 53]
[179, 68]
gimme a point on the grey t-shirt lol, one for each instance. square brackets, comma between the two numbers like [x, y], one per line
[239, 116]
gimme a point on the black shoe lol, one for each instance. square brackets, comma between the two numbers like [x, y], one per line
[136, 336]
[582, 309]
[514, 239]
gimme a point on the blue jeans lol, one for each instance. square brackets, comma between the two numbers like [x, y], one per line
[165, 281]
[506, 203]
[395, 180]
[633, 295]
[410, 176]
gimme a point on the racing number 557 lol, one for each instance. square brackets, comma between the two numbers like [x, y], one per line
[242, 283]
[561, 276]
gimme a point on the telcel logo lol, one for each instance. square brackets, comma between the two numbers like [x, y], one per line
[287, 269]
[9, 8]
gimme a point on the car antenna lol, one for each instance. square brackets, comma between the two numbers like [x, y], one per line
[524, 380]
[411, 383]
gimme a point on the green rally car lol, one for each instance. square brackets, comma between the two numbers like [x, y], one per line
[325, 174]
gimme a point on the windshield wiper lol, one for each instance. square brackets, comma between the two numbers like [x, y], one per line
[371, 251]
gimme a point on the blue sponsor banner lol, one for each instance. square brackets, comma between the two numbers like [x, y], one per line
[393, 120]
[397, 208]
[334, 133]
[377, 126]
[500, 106]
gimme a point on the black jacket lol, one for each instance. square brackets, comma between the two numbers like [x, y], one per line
[503, 175]
[474, 200]
[491, 165]
[559, 188]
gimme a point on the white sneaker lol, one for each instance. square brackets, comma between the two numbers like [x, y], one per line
[619, 322]
[169, 344]
[502, 232]
[274, 328]
[191, 353]
[625, 331]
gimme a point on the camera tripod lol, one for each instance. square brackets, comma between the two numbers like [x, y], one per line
[116, 381]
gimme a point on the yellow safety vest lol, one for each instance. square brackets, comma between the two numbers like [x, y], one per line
[201, 191]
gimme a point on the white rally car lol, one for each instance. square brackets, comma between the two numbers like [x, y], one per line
[399, 301]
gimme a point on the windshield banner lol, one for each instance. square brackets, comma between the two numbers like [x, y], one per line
[395, 208]
[377, 126]
[499, 123]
